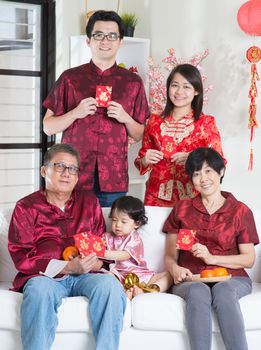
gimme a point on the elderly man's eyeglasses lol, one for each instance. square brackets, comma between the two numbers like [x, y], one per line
[61, 167]
[100, 36]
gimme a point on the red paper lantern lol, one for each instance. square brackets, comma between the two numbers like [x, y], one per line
[249, 17]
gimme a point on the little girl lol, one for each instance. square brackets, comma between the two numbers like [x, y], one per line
[125, 247]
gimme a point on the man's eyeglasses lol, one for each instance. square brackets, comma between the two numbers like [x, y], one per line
[61, 167]
[100, 36]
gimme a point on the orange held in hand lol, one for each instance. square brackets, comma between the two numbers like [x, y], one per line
[70, 252]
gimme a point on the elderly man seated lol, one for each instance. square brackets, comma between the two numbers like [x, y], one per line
[42, 225]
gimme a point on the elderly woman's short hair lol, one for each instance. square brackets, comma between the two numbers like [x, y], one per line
[202, 155]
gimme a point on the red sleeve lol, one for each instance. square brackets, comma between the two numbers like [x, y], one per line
[147, 143]
[172, 224]
[57, 98]
[27, 258]
[246, 232]
[213, 138]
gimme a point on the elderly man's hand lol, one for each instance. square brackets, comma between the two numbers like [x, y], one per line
[81, 265]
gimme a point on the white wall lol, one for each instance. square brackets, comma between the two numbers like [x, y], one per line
[190, 26]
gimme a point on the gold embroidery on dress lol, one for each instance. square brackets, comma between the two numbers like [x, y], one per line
[186, 192]
[177, 129]
[190, 190]
[166, 190]
[169, 147]
[181, 190]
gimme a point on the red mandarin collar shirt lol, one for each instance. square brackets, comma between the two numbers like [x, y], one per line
[98, 138]
[39, 231]
[221, 232]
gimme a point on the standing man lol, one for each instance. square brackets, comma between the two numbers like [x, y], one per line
[42, 225]
[100, 134]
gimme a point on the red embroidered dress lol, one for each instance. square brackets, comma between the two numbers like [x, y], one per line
[168, 181]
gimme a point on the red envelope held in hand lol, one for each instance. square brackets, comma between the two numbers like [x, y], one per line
[103, 95]
[168, 147]
[88, 243]
[186, 239]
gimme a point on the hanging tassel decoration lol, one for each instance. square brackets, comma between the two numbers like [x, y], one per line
[253, 55]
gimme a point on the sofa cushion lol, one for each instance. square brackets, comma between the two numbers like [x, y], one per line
[7, 268]
[73, 318]
[161, 311]
[72, 313]
[153, 238]
[10, 307]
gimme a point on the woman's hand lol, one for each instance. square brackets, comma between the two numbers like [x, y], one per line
[152, 156]
[179, 157]
[180, 274]
[201, 251]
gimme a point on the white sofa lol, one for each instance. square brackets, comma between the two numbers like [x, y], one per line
[153, 321]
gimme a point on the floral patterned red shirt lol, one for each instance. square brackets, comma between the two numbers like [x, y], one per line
[221, 232]
[168, 181]
[39, 231]
[99, 139]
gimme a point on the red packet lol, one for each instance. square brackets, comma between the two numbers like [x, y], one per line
[103, 95]
[186, 239]
[88, 243]
[168, 147]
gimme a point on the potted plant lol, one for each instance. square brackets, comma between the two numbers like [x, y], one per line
[129, 21]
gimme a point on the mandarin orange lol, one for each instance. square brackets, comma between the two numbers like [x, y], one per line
[207, 273]
[220, 271]
[70, 252]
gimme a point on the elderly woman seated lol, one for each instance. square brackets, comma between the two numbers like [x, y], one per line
[225, 237]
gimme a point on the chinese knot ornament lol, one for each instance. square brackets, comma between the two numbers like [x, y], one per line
[249, 20]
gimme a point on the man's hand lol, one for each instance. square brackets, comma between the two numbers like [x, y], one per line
[116, 111]
[81, 265]
[87, 106]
